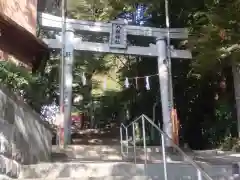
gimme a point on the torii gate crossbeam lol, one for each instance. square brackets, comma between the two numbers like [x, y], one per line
[80, 45]
[54, 22]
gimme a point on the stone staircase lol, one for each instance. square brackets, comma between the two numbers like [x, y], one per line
[106, 162]
[99, 156]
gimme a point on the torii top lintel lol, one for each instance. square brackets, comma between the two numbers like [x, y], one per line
[54, 22]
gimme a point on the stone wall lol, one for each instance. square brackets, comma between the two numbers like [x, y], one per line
[21, 12]
[24, 137]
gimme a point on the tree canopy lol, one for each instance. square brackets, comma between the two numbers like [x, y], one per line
[203, 87]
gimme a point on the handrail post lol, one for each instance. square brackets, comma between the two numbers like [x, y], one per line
[121, 139]
[1, 145]
[127, 139]
[154, 120]
[144, 140]
[199, 174]
[134, 143]
[164, 157]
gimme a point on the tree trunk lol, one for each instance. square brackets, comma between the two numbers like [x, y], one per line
[236, 80]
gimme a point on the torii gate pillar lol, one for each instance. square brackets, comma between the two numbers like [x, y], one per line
[67, 85]
[164, 86]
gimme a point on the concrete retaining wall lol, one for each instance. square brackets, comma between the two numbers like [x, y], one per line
[24, 137]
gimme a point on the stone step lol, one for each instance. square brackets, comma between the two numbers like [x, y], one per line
[4, 177]
[80, 170]
[108, 153]
[9, 167]
[117, 178]
[87, 153]
[98, 178]
[217, 157]
[94, 178]
[112, 153]
[105, 136]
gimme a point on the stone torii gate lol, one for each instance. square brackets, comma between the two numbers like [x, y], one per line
[118, 31]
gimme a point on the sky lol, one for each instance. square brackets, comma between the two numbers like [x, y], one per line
[137, 17]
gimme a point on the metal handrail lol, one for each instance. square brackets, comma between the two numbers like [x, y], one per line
[126, 130]
[121, 137]
[192, 162]
[200, 171]
[137, 119]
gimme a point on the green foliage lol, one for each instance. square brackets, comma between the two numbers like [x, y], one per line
[14, 77]
[34, 88]
[230, 144]
[91, 9]
[215, 30]
[214, 41]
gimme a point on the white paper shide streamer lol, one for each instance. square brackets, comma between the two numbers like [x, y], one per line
[136, 81]
[147, 85]
[126, 82]
[146, 80]
[84, 80]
